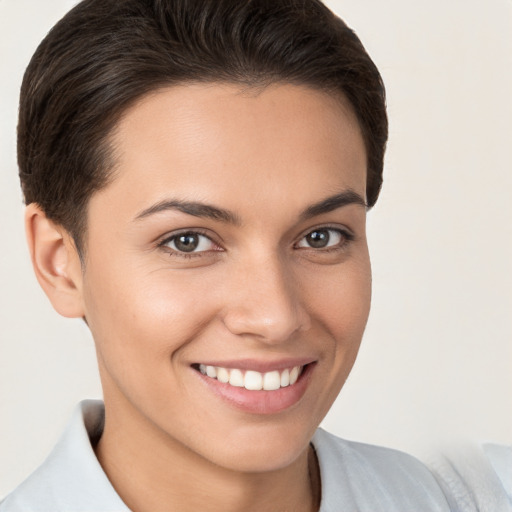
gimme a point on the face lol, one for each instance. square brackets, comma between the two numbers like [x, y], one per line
[229, 255]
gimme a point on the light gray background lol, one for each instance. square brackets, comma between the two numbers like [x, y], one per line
[436, 361]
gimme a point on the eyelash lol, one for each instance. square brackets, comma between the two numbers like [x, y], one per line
[347, 238]
[181, 254]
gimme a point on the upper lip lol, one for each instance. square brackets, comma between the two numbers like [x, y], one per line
[259, 365]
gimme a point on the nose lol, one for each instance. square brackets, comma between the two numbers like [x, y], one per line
[265, 303]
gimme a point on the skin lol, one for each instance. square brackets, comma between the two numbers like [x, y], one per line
[255, 290]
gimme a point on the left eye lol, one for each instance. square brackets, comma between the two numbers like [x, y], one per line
[189, 242]
[322, 238]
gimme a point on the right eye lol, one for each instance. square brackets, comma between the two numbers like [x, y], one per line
[188, 243]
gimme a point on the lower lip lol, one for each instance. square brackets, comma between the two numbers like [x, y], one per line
[261, 402]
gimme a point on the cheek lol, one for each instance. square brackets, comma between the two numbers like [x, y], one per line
[140, 324]
[341, 299]
[340, 302]
[140, 319]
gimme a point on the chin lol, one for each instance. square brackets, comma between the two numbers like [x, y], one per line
[266, 460]
[262, 448]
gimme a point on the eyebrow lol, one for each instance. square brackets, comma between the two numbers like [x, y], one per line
[194, 208]
[198, 209]
[333, 203]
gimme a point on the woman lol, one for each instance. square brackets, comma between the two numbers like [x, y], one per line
[197, 177]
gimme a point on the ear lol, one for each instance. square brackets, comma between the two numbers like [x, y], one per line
[56, 262]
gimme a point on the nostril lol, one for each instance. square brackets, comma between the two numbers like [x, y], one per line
[272, 328]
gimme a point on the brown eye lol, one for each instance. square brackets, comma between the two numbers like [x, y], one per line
[189, 242]
[318, 239]
[323, 238]
[186, 243]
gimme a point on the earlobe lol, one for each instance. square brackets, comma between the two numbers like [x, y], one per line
[55, 261]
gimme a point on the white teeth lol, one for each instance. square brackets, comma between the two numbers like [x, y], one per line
[285, 378]
[271, 381]
[211, 371]
[222, 375]
[294, 375]
[236, 378]
[252, 380]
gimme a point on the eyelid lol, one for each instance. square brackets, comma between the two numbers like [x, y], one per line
[334, 227]
[169, 237]
[346, 233]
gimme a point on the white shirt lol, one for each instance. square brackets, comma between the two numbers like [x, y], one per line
[354, 476]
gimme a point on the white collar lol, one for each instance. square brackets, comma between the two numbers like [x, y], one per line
[71, 478]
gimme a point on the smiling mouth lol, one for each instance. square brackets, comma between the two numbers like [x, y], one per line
[253, 380]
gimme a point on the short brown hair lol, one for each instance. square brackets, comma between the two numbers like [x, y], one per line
[105, 54]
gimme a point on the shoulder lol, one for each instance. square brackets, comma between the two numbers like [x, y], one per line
[475, 476]
[366, 477]
[71, 478]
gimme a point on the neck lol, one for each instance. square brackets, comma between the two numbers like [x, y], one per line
[153, 472]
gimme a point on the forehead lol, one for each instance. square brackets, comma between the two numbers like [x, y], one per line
[224, 142]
